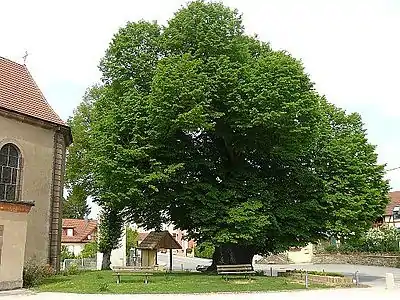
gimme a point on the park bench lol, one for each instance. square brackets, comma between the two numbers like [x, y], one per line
[225, 270]
[135, 271]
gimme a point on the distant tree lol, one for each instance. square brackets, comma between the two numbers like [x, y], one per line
[65, 253]
[80, 176]
[75, 206]
[111, 223]
[131, 239]
[89, 250]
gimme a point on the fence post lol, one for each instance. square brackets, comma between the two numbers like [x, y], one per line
[389, 280]
[306, 279]
[357, 278]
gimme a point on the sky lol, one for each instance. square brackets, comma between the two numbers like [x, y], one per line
[351, 49]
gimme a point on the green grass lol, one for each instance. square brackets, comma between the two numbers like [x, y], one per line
[102, 282]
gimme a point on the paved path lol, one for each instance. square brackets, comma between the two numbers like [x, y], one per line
[364, 294]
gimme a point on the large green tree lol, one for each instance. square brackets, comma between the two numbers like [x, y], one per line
[80, 176]
[201, 125]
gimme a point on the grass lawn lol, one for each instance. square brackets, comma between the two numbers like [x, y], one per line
[103, 282]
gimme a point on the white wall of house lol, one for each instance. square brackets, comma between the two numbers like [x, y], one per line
[302, 255]
[389, 220]
[75, 248]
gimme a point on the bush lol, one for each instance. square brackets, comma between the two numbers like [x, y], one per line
[204, 250]
[383, 239]
[89, 250]
[71, 270]
[331, 249]
[34, 273]
[65, 254]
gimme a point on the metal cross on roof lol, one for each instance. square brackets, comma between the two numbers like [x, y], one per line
[25, 56]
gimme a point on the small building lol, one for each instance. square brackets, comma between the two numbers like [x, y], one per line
[187, 245]
[154, 241]
[392, 212]
[76, 233]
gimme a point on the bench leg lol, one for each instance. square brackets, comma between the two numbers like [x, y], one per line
[146, 279]
[118, 279]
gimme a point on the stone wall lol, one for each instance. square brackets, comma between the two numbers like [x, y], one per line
[317, 278]
[358, 259]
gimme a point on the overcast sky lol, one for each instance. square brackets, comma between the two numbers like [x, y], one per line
[351, 49]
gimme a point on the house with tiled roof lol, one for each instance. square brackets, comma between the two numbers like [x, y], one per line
[392, 211]
[76, 233]
[33, 142]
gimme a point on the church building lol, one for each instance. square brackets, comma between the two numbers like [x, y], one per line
[33, 142]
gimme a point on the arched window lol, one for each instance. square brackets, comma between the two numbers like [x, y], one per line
[10, 167]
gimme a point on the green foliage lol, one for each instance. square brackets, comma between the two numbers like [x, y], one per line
[65, 253]
[383, 239]
[34, 273]
[75, 206]
[71, 270]
[376, 240]
[80, 175]
[109, 233]
[355, 190]
[331, 249]
[131, 239]
[204, 250]
[200, 125]
[89, 250]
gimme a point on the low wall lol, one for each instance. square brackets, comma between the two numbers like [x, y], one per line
[392, 261]
[317, 278]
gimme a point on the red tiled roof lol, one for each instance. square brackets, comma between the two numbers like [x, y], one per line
[82, 229]
[394, 201]
[19, 93]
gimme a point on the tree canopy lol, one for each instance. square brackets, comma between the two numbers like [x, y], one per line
[199, 124]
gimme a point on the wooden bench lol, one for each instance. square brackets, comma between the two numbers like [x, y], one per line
[225, 270]
[135, 271]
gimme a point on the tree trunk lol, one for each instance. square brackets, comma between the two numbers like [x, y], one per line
[231, 255]
[105, 264]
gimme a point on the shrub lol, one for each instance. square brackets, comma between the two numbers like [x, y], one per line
[71, 270]
[89, 250]
[65, 253]
[383, 239]
[34, 273]
[331, 249]
[204, 250]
